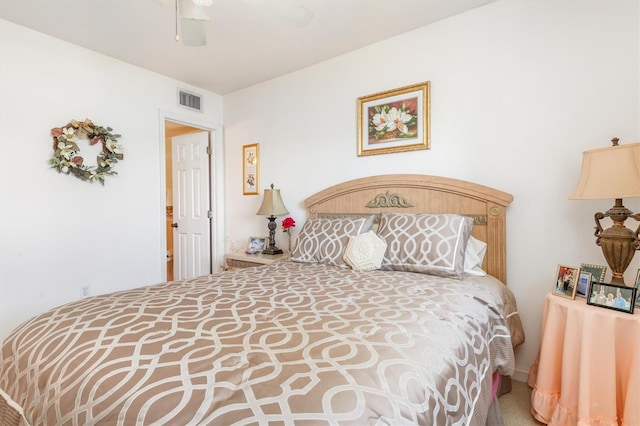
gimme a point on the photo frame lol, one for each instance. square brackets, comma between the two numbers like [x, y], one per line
[394, 121]
[250, 169]
[565, 282]
[257, 244]
[584, 279]
[597, 271]
[612, 296]
[637, 286]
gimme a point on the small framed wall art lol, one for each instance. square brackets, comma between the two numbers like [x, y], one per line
[394, 121]
[250, 169]
[565, 284]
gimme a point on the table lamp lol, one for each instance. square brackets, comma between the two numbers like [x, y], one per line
[271, 207]
[613, 172]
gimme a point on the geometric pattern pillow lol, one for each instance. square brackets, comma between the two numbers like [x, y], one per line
[365, 252]
[324, 240]
[426, 243]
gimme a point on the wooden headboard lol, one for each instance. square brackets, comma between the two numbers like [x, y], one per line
[409, 193]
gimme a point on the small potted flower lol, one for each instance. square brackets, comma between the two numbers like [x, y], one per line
[287, 224]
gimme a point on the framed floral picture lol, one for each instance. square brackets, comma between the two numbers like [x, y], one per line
[250, 168]
[394, 121]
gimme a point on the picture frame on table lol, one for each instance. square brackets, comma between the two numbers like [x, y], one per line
[597, 274]
[250, 169]
[612, 296]
[394, 121]
[565, 283]
[597, 271]
[257, 244]
[584, 279]
[637, 286]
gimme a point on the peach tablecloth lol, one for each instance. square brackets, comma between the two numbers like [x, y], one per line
[588, 368]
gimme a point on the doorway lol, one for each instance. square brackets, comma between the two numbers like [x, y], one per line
[188, 209]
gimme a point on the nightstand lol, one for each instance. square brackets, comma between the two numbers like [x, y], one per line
[587, 369]
[243, 260]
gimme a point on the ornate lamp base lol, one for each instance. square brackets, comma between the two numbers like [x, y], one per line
[619, 244]
[272, 249]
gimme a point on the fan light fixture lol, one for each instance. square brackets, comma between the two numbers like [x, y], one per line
[192, 18]
[613, 172]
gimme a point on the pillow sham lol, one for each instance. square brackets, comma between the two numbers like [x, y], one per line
[365, 252]
[474, 256]
[425, 243]
[324, 240]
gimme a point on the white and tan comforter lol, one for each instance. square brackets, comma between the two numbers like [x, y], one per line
[282, 344]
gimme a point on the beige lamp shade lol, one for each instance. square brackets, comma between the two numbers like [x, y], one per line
[612, 172]
[272, 204]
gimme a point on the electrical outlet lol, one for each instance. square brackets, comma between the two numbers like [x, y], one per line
[86, 291]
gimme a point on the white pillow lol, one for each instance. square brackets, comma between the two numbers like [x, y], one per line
[365, 252]
[474, 256]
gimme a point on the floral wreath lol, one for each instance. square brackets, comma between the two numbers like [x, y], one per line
[66, 158]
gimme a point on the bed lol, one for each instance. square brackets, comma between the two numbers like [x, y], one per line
[312, 340]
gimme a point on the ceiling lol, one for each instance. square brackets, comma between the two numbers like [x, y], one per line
[246, 44]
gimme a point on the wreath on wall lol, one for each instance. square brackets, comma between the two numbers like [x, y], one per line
[66, 154]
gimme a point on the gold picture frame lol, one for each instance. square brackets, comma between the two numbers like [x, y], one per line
[250, 169]
[597, 274]
[394, 121]
[565, 284]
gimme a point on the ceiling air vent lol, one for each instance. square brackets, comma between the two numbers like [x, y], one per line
[190, 100]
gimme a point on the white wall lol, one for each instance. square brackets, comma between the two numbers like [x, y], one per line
[58, 233]
[519, 89]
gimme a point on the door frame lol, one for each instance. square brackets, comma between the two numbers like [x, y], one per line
[216, 187]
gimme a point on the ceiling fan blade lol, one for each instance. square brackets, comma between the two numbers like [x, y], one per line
[287, 10]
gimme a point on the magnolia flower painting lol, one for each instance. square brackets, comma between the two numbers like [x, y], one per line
[398, 120]
[394, 121]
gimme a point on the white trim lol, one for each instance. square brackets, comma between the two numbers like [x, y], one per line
[520, 375]
[217, 186]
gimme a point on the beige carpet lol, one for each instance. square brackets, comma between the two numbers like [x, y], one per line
[516, 406]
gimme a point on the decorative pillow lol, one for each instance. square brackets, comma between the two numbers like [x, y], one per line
[426, 243]
[365, 252]
[324, 240]
[474, 256]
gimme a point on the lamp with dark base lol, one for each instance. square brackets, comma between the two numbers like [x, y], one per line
[271, 207]
[613, 172]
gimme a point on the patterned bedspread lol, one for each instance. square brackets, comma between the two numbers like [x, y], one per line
[281, 344]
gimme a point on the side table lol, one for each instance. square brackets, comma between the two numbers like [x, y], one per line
[588, 368]
[239, 260]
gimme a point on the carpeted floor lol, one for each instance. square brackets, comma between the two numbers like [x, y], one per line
[516, 406]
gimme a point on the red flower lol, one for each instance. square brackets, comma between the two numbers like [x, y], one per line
[77, 160]
[288, 223]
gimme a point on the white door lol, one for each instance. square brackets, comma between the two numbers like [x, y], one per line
[191, 204]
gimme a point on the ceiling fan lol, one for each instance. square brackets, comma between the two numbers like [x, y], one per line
[191, 16]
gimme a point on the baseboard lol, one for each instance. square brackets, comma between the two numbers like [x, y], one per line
[521, 375]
